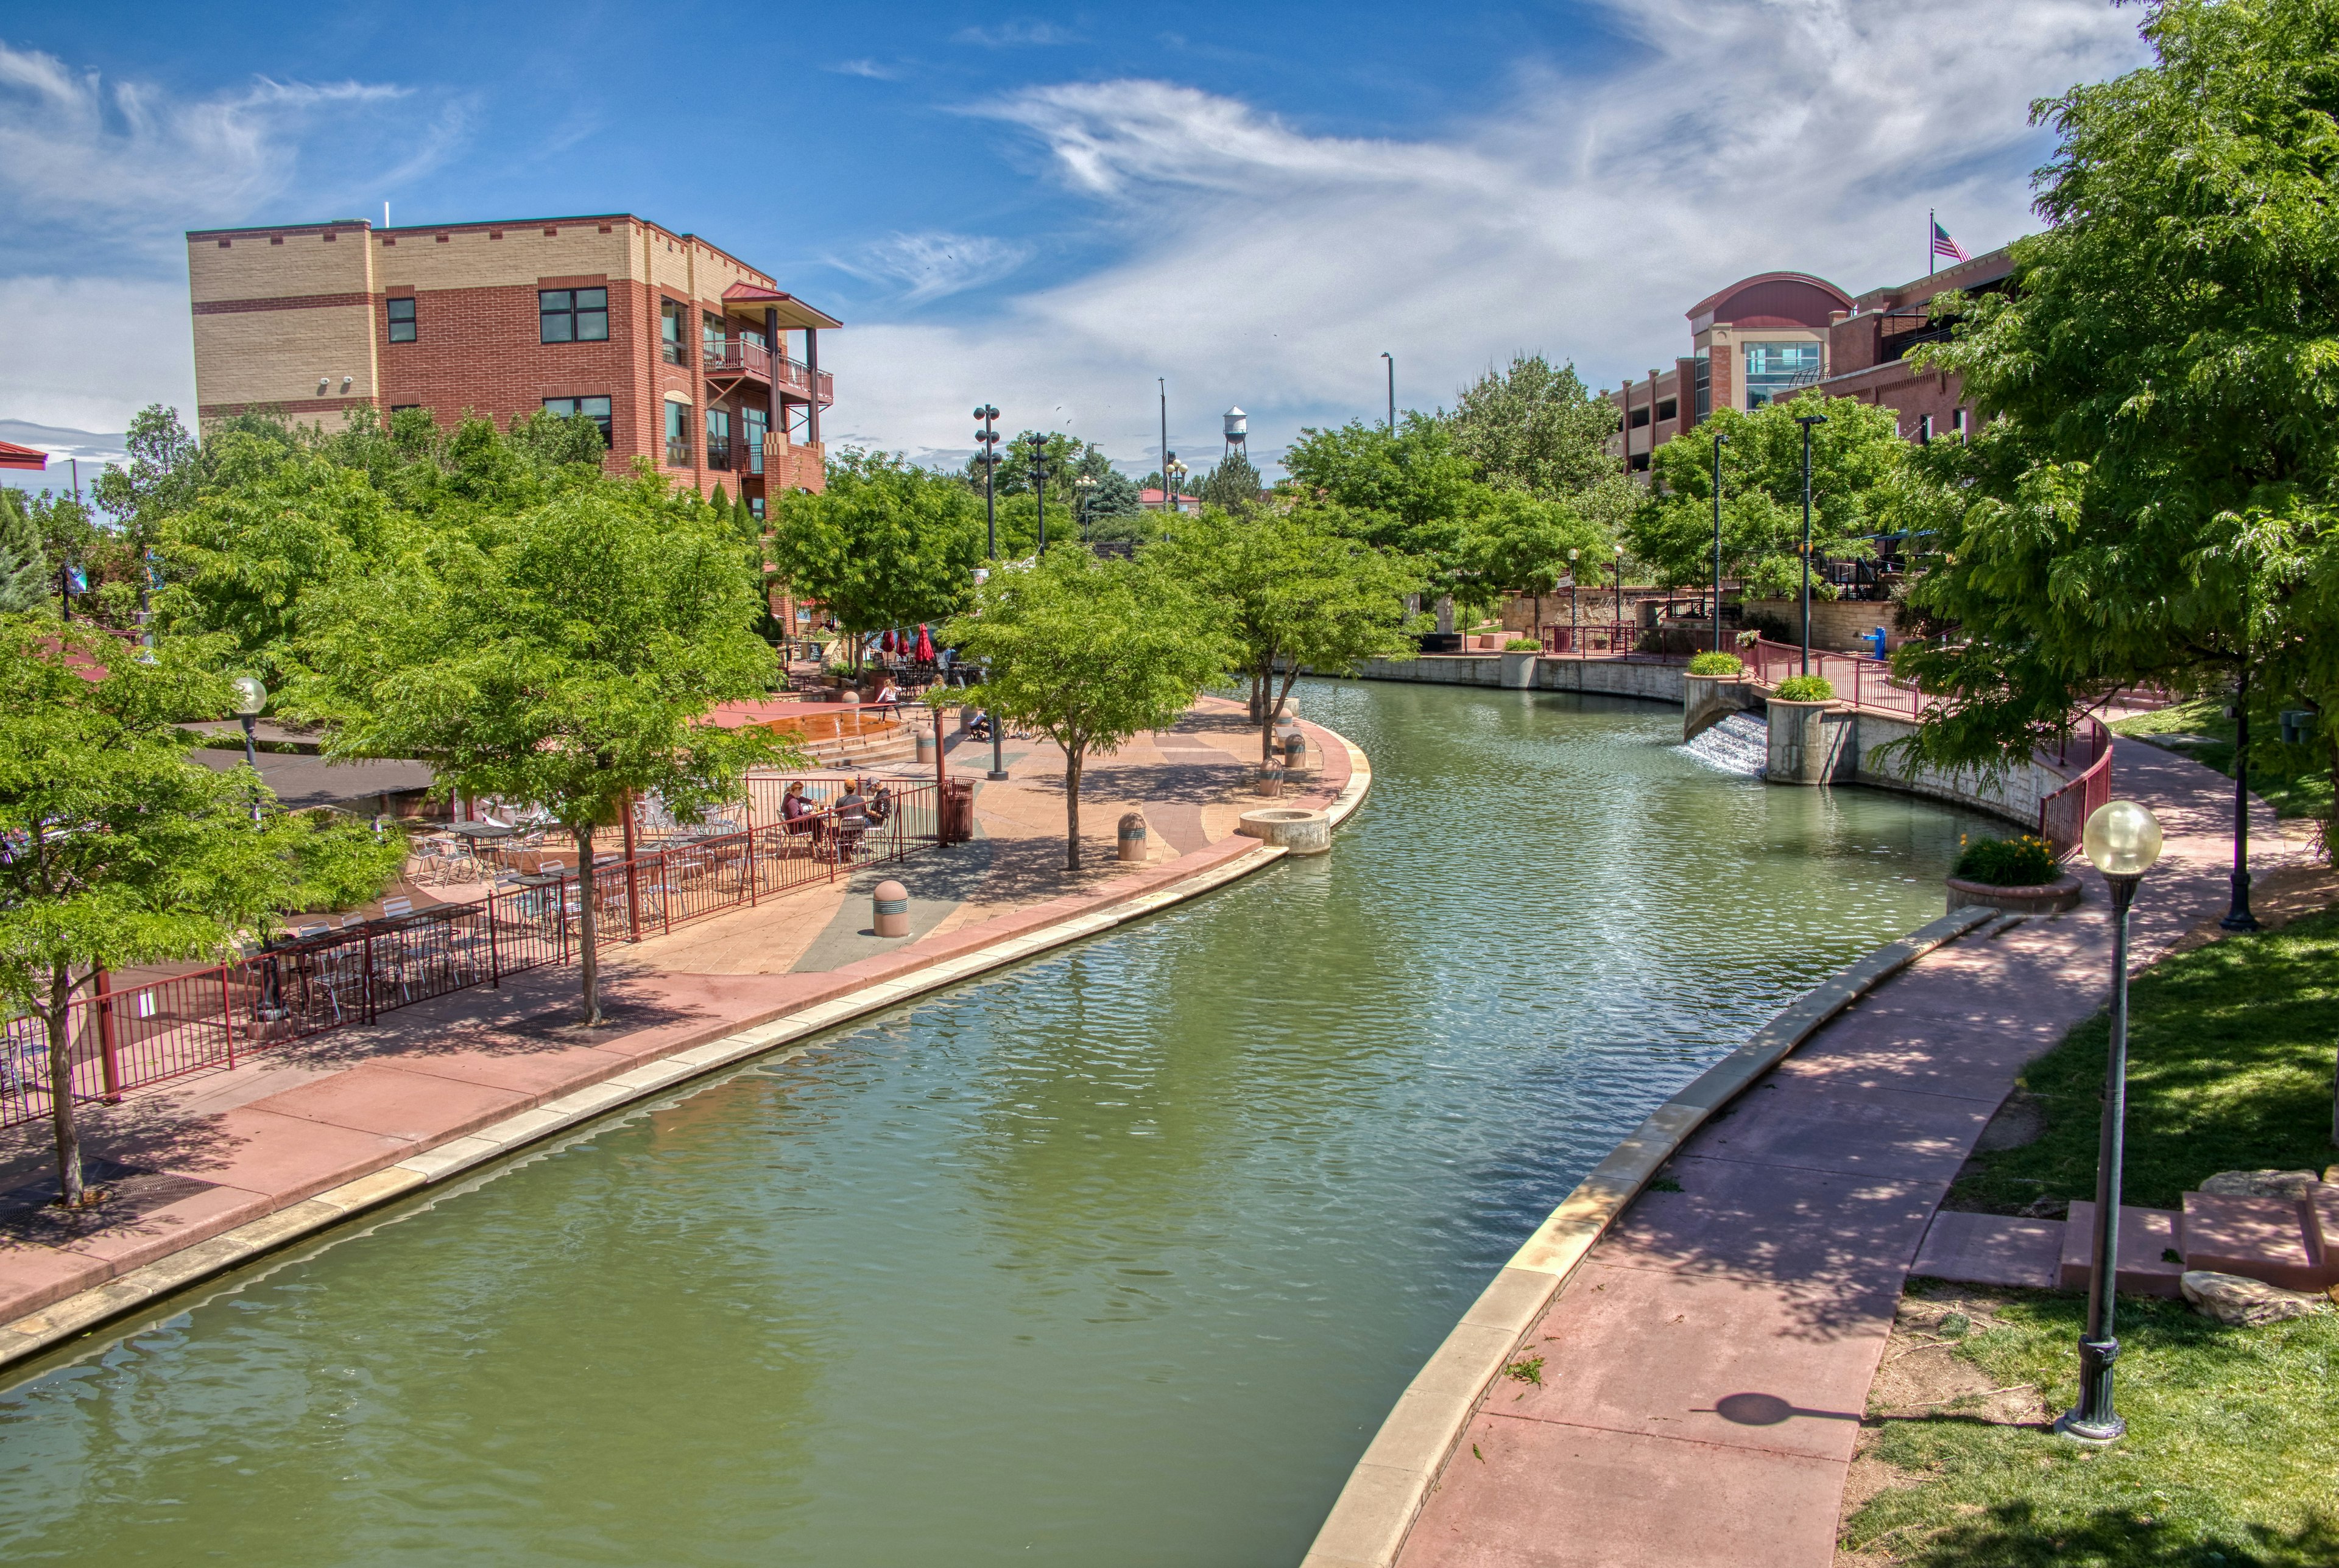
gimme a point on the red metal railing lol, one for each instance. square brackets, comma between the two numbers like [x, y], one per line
[2063, 814]
[119, 1040]
[1863, 682]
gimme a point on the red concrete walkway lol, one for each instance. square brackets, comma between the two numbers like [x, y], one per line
[196, 1158]
[1706, 1367]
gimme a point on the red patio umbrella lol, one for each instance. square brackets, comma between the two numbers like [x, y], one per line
[887, 644]
[925, 646]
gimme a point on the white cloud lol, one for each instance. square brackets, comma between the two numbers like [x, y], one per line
[86, 353]
[1267, 266]
[1015, 36]
[869, 68]
[930, 266]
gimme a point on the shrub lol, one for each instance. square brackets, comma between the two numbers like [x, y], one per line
[1522, 646]
[2024, 862]
[1806, 689]
[1716, 664]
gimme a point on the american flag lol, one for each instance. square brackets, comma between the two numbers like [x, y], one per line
[1945, 246]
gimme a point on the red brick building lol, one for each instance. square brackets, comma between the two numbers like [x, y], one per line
[682, 353]
[1868, 345]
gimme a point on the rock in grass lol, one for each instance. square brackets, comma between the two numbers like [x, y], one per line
[2292, 1183]
[2242, 1303]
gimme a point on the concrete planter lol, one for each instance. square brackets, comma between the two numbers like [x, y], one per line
[1804, 746]
[2045, 898]
[1519, 669]
[1300, 830]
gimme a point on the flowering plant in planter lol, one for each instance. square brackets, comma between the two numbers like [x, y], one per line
[1717, 665]
[2024, 862]
[1806, 689]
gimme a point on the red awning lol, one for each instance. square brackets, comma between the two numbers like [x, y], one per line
[793, 312]
[13, 456]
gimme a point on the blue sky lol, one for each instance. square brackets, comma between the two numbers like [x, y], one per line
[1048, 208]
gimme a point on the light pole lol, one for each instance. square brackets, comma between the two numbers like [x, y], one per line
[250, 697]
[1086, 485]
[1173, 476]
[2121, 840]
[1392, 389]
[1719, 437]
[988, 440]
[1616, 637]
[2237, 915]
[1807, 422]
[1574, 605]
[1040, 483]
[1167, 457]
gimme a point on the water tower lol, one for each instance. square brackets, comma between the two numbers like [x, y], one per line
[1237, 433]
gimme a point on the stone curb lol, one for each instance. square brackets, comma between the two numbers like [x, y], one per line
[875, 985]
[1368, 1523]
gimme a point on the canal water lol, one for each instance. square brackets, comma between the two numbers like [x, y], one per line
[1119, 1259]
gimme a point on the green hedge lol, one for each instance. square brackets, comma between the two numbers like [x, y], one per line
[1806, 689]
[1716, 664]
[1522, 646]
[2024, 862]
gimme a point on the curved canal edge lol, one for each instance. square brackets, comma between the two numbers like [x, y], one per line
[868, 986]
[1384, 1494]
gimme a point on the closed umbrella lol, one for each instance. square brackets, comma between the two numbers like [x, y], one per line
[888, 643]
[925, 646]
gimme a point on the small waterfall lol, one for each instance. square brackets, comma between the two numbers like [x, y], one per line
[1740, 744]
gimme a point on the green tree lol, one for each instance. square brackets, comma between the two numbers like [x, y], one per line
[886, 545]
[25, 583]
[1115, 511]
[1412, 492]
[1856, 458]
[2151, 496]
[1294, 587]
[123, 852]
[1536, 429]
[1090, 652]
[1520, 543]
[571, 664]
[1233, 486]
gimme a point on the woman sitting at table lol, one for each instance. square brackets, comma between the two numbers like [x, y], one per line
[798, 814]
[881, 805]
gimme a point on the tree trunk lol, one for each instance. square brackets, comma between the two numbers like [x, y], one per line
[1072, 809]
[1535, 631]
[586, 951]
[1258, 695]
[70, 1191]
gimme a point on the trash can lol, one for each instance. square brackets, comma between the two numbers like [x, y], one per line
[1132, 836]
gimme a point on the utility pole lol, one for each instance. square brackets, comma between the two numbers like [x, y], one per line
[1392, 389]
[1163, 383]
[1719, 437]
[1807, 422]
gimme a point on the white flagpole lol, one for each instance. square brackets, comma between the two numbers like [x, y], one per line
[1931, 224]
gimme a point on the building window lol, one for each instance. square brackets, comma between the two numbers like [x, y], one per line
[1773, 371]
[754, 424]
[1957, 422]
[574, 315]
[1704, 386]
[677, 435]
[755, 507]
[1640, 416]
[594, 408]
[401, 320]
[1667, 410]
[670, 333]
[1924, 429]
[711, 344]
[718, 437]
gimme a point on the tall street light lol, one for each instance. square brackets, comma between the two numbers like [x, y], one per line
[988, 440]
[1616, 638]
[1040, 483]
[1719, 437]
[2237, 915]
[1086, 485]
[1173, 478]
[2121, 840]
[1392, 389]
[1807, 422]
[1574, 605]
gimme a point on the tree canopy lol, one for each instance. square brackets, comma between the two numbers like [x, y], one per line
[887, 544]
[1534, 428]
[2152, 491]
[1856, 460]
[1090, 652]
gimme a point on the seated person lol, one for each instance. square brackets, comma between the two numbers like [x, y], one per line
[797, 814]
[881, 805]
[978, 724]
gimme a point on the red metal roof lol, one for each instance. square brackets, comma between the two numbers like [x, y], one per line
[13, 456]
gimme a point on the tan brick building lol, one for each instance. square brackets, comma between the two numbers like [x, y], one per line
[684, 354]
[1761, 338]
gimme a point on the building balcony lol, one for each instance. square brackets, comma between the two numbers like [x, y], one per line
[738, 357]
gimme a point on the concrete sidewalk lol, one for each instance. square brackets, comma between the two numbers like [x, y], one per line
[1706, 1367]
[343, 1120]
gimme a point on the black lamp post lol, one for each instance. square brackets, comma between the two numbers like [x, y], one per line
[2122, 840]
[1616, 637]
[1574, 607]
[988, 440]
[1807, 422]
[1040, 483]
[2238, 916]
[250, 697]
[1719, 437]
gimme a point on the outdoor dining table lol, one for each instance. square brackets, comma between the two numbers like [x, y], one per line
[479, 830]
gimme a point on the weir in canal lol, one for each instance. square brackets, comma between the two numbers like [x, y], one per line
[1120, 1258]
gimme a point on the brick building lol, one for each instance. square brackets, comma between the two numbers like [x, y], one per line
[1776, 334]
[681, 353]
[1761, 338]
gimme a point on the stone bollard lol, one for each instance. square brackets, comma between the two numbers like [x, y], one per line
[1270, 780]
[891, 905]
[925, 749]
[1132, 836]
[1295, 749]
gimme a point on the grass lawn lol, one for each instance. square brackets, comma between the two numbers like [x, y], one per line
[2231, 1458]
[2294, 780]
[2230, 1057]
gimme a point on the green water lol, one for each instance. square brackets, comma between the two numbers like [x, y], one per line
[1120, 1258]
